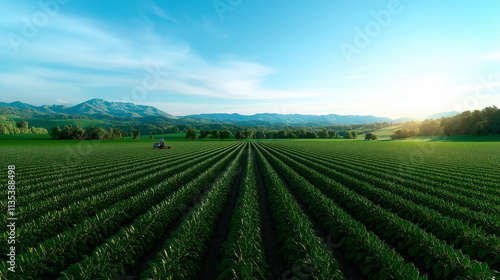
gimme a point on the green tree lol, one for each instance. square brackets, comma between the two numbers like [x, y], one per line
[332, 134]
[354, 134]
[136, 134]
[55, 132]
[403, 133]
[429, 128]
[96, 133]
[224, 134]
[204, 134]
[281, 134]
[190, 134]
[347, 135]
[249, 133]
[12, 129]
[311, 135]
[480, 129]
[214, 134]
[370, 136]
[261, 134]
[34, 130]
[239, 135]
[115, 133]
[324, 134]
[22, 124]
[495, 128]
[66, 132]
[173, 129]
[3, 129]
[78, 133]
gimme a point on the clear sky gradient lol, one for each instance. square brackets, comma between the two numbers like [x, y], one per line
[384, 58]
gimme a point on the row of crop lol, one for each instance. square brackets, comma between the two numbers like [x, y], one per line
[243, 255]
[437, 163]
[53, 255]
[183, 253]
[418, 193]
[106, 164]
[306, 255]
[43, 187]
[468, 185]
[471, 239]
[397, 170]
[375, 258]
[425, 248]
[124, 249]
[50, 171]
[444, 157]
[406, 164]
[89, 155]
[51, 223]
[42, 174]
[35, 205]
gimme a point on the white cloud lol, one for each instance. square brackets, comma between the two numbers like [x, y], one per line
[59, 100]
[164, 15]
[84, 54]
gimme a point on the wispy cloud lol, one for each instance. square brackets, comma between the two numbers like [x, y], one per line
[85, 54]
[61, 101]
[163, 14]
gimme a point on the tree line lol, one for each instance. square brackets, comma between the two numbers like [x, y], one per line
[476, 123]
[273, 134]
[70, 132]
[20, 127]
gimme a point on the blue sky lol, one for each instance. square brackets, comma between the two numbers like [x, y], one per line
[384, 58]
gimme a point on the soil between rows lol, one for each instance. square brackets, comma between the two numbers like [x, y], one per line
[404, 254]
[348, 268]
[274, 259]
[212, 259]
[143, 265]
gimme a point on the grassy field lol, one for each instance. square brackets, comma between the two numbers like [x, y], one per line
[343, 208]
[384, 133]
[13, 117]
[49, 124]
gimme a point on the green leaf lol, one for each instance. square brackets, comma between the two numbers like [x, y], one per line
[438, 271]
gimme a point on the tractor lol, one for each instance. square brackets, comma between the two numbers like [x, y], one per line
[160, 146]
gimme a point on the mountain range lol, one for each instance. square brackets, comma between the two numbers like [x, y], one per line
[95, 106]
[266, 118]
[103, 108]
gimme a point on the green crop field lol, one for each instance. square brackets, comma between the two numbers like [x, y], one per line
[280, 209]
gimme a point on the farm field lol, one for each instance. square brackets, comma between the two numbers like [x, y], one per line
[280, 209]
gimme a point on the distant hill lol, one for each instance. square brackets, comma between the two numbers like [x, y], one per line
[435, 117]
[17, 104]
[95, 107]
[445, 114]
[291, 119]
[102, 109]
